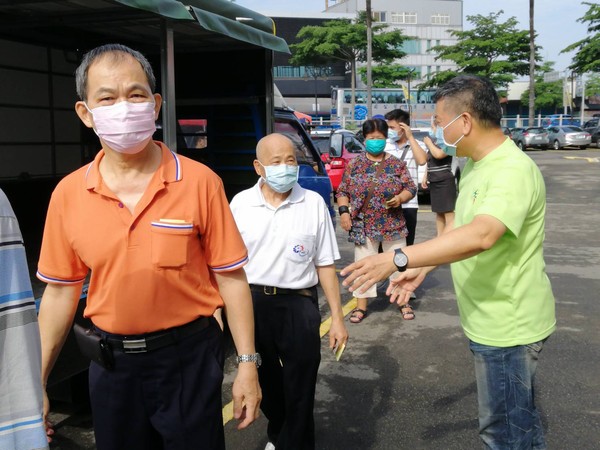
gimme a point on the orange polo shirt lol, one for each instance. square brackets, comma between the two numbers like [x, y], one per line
[152, 269]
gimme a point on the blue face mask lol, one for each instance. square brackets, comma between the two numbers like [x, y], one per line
[448, 149]
[375, 146]
[392, 135]
[281, 177]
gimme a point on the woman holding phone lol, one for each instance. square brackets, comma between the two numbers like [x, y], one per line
[370, 197]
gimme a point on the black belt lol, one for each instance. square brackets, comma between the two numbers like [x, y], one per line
[153, 341]
[274, 290]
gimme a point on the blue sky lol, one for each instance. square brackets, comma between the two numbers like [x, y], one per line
[555, 20]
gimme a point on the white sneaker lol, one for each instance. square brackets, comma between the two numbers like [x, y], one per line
[269, 446]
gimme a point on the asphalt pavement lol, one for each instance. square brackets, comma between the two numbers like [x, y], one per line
[410, 384]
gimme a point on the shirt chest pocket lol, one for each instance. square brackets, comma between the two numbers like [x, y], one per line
[300, 248]
[171, 244]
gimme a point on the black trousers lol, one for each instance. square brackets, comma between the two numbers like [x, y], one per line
[410, 215]
[169, 398]
[287, 337]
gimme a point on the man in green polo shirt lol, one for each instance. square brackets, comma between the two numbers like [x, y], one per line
[504, 296]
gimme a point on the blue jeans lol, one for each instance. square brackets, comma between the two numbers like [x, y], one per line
[508, 418]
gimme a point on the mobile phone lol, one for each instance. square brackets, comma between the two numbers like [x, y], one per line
[339, 350]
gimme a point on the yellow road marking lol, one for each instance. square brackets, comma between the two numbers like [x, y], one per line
[590, 160]
[325, 326]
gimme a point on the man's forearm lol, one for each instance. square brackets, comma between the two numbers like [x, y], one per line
[234, 289]
[331, 288]
[57, 311]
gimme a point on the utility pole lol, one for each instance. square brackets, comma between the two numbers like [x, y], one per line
[369, 59]
[531, 64]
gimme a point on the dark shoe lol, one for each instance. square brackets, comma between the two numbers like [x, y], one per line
[407, 312]
[357, 315]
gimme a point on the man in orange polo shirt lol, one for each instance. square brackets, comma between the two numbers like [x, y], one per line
[164, 252]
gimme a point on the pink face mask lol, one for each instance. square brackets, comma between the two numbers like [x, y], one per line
[125, 127]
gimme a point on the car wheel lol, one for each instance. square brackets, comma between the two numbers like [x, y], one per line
[583, 147]
[556, 145]
[520, 145]
[598, 143]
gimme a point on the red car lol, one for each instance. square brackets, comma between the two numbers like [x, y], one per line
[343, 146]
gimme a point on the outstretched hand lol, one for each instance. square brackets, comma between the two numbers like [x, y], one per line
[403, 284]
[363, 274]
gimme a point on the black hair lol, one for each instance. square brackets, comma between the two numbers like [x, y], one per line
[372, 125]
[116, 51]
[472, 94]
[399, 115]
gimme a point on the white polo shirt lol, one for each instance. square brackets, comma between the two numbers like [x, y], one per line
[396, 150]
[287, 243]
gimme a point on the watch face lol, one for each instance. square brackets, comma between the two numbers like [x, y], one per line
[400, 259]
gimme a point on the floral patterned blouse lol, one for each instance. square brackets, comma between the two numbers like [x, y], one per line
[380, 223]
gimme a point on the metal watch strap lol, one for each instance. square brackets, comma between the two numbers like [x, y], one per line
[255, 358]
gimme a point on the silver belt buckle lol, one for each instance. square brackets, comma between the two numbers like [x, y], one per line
[134, 346]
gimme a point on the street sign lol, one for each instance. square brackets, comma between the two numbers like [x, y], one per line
[551, 76]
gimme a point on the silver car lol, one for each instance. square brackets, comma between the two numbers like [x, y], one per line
[568, 136]
[530, 137]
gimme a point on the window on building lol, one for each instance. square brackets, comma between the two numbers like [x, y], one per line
[404, 17]
[428, 44]
[379, 16]
[440, 19]
[411, 47]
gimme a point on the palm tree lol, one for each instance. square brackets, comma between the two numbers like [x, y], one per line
[531, 65]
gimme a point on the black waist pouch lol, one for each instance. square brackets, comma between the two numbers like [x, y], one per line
[93, 346]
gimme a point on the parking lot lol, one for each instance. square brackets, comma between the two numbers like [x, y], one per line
[410, 384]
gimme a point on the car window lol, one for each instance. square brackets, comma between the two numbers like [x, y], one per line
[335, 147]
[304, 154]
[535, 130]
[572, 129]
[353, 145]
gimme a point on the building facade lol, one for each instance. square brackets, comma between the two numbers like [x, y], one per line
[427, 22]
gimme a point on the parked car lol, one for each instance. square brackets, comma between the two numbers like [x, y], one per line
[507, 132]
[595, 135]
[592, 123]
[560, 120]
[343, 146]
[568, 136]
[530, 137]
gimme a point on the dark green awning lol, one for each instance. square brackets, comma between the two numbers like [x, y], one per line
[218, 16]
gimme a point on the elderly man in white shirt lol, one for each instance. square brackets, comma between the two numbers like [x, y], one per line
[403, 145]
[291, 247]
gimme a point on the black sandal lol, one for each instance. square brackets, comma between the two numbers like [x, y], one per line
[406, 310]
[355, 316]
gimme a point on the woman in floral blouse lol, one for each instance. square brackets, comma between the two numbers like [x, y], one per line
[380, 220]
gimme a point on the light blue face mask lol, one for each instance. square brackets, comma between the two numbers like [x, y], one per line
[392, 135]
[281, 177]
[448, 149]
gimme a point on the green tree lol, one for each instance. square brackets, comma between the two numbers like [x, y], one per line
[592, 85]
[548, 94]
[587, 58]
[345, 40]
[492, 49]
[387, 75]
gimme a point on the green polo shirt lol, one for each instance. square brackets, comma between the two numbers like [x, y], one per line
[504, 295]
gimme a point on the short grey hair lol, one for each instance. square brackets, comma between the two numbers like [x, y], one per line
[116, 51]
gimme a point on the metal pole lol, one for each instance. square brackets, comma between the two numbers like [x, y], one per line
[582, 107]
[316, 98]
[167, 69]
[369, 59]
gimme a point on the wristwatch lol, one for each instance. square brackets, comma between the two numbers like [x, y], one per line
[400, 259]
[255, 358]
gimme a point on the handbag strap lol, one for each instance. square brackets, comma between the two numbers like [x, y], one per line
[372, 186]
